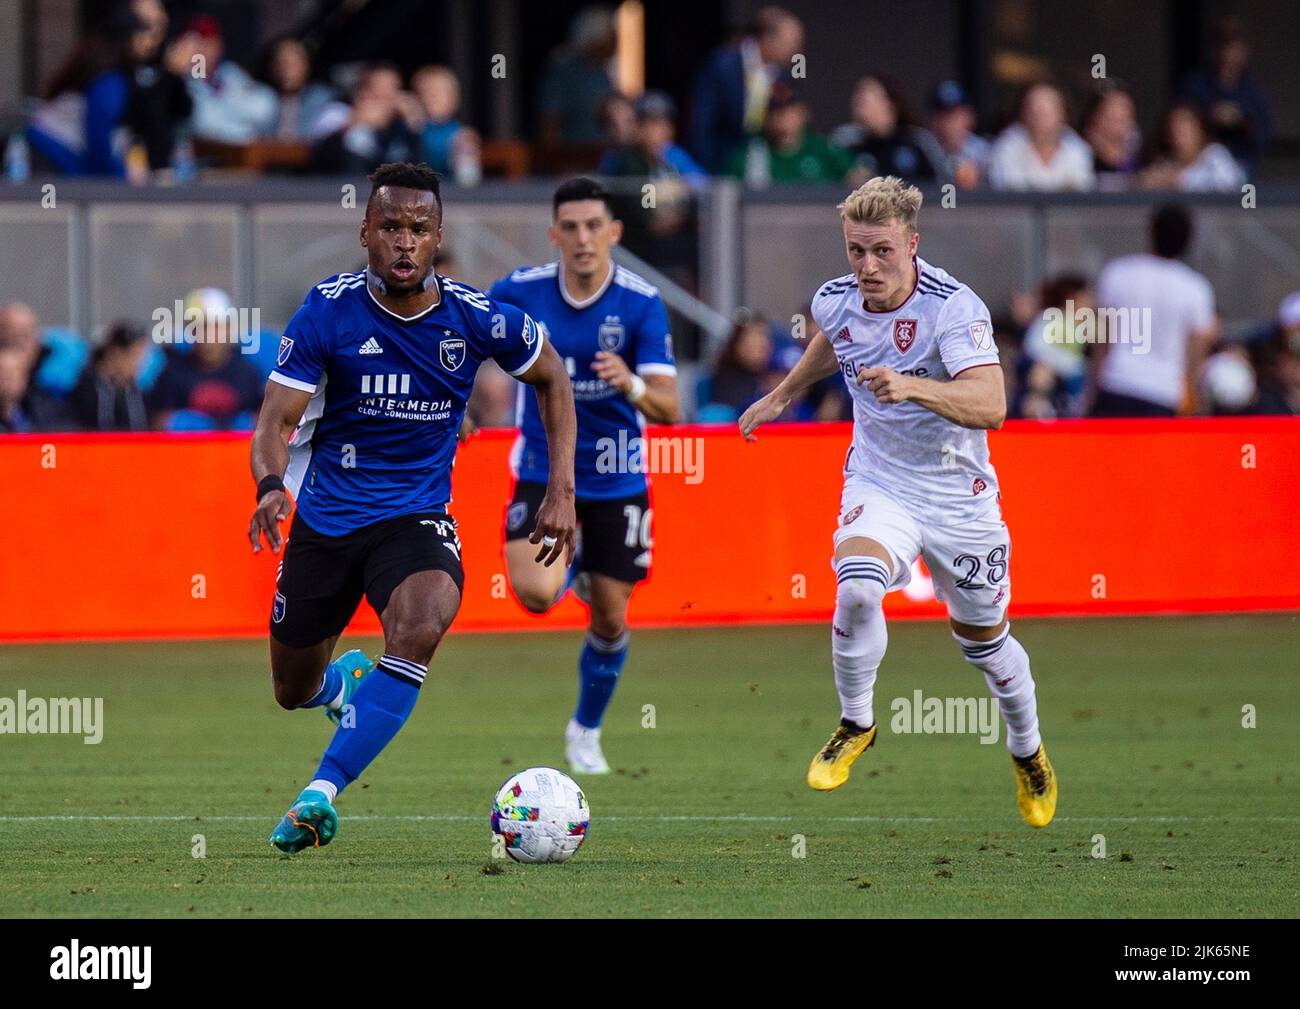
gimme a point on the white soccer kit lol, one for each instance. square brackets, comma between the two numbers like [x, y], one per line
[915, 482]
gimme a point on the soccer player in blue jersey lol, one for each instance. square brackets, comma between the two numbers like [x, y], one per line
[611, 329]
[359, 425]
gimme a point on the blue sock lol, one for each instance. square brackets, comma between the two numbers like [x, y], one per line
[599, 665]
[330, 686]
[380, 706]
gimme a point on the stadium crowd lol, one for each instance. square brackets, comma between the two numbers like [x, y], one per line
[129, 104]
[137, 93]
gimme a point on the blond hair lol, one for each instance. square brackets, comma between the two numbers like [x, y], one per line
[880, 200]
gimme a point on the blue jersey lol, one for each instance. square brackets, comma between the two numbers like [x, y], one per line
[378, 438]
[626, 316]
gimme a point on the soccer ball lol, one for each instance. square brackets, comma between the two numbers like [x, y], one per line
[541, 815]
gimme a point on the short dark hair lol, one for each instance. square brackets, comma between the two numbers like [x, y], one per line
[581, 188]
[406, 175]
[1171, 230]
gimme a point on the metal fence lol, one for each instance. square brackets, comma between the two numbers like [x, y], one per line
[86, 253]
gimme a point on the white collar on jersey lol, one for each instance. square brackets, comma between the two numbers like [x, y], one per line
[592, 299]
[374, 283]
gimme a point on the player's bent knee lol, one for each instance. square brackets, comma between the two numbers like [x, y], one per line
[535, 599]
[859, 595]
[414, 639]
[607, 628]
[291, 694]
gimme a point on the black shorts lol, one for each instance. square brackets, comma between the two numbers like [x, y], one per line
[322, 578]
[616, 536]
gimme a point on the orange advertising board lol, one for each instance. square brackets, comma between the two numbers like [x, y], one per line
[145, 536]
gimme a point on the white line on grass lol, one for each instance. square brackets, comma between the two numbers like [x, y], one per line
[734, 818]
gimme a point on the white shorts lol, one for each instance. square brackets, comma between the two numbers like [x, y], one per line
[969, 563]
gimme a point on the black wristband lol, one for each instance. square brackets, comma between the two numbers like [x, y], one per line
[267, 484]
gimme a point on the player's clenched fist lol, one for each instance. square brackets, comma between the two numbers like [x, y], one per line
[766, 410]
[272, 509]
[556, 521]
[887, 385]
[614, 370]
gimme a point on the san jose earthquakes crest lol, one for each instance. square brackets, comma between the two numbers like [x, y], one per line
[451, 353]
[611, 334]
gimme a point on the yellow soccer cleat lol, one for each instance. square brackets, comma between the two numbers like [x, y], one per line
[830, 768]
[1035, 788]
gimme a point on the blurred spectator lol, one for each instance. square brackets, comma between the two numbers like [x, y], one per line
[882, 136]
[732, 89]
[20, 332]
[110, 91]
[788, 152]
[229, 106]
[963, 156]
[158, 103]
[1159, 322]
[653, 151]
[1111, 129]
[445, 263]
[108, 396]
[493, 401]
[1055, 373]
[1192, 162]
[617, 121]
[211, 385]
[376, 132]
[576, 80]
[300, 101]
[743, 372]
[1039, 151]
[1230, 98]
[22, 407]
[449, 145]
[1226, 383]
[1280, 386]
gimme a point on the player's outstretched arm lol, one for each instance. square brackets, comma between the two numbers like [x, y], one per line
[282, 408]
[818, 361]
[975, 398]
[556, 518]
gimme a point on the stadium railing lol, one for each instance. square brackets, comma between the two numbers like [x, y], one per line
[84, 253]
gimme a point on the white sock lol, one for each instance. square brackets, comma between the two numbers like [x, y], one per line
[1005, 665]
[330, 789]
[858, 634]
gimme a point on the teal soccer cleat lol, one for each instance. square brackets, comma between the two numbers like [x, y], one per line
[310, 823]
[356, 667]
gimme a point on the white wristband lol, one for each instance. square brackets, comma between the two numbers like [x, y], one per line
[637, 392]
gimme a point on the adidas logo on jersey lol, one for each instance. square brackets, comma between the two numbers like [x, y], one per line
[371, 346]
[843, 336]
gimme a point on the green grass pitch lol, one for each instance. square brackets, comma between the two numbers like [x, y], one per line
[1143, 720]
